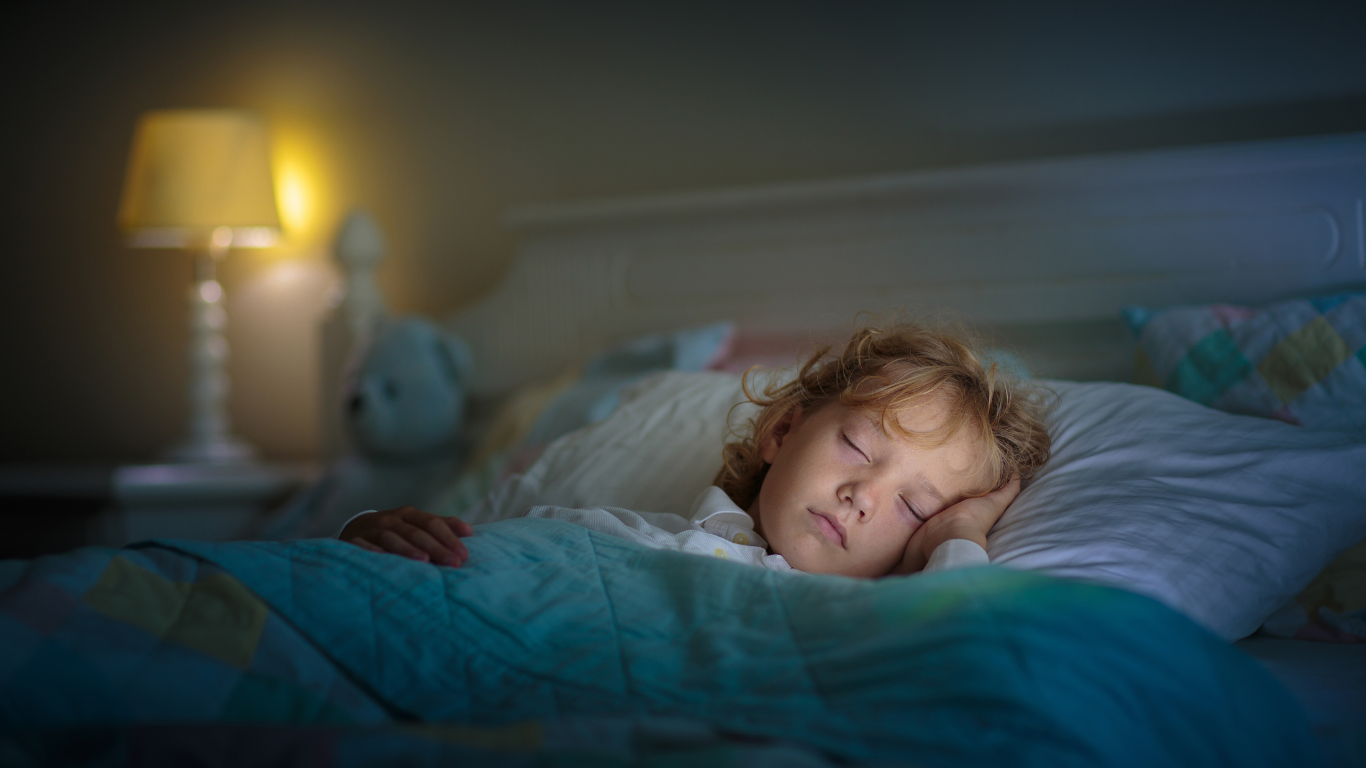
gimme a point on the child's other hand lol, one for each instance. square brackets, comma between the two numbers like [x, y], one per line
[412, 533]
[968, 519]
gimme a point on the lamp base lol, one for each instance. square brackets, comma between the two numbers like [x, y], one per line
[217, 450]
[210, 438]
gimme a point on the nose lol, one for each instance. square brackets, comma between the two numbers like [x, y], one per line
[859, 499]
[357, 404]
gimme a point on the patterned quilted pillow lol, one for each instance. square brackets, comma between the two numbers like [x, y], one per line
[1301, 361]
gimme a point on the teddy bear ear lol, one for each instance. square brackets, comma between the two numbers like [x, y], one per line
[455, 356]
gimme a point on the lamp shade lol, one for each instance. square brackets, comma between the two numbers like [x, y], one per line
[192, 171]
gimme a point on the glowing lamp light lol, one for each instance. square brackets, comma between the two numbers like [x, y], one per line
[292, 191]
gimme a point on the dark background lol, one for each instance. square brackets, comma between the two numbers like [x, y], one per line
[437, 117]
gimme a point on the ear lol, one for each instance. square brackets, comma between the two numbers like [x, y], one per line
[773, 441]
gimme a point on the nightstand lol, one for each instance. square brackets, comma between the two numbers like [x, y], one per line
[50, 508]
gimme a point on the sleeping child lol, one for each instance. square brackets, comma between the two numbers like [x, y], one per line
[894, 456]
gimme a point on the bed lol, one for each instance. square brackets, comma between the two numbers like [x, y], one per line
[318, 648]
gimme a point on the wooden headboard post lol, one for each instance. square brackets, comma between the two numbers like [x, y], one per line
[358, 249]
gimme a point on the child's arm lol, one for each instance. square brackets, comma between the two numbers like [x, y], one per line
[412, 533]
[969, 519]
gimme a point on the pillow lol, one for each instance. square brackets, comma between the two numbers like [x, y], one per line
[1221, 517]
[655, 453]
[1301, 361]
[538, 413]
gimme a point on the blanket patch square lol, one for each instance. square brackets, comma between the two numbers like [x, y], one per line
[150, 635]
[1301, 361]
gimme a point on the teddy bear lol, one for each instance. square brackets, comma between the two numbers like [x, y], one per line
[407, 398]
[403, 410]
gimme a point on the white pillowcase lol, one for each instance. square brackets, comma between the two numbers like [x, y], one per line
[1221, 517]
[658, 450]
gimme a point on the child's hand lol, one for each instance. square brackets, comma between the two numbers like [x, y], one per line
[412, 533]
[968, 519]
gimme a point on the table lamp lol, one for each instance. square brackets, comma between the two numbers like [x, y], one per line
[200, 180]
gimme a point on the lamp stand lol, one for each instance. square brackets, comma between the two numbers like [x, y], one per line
[210, 440]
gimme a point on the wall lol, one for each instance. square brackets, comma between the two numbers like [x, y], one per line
[437, 117]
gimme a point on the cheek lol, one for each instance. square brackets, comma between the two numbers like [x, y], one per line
[805, 553]
[782, 483]
[770, 498]
[898, 526]
[889, 541]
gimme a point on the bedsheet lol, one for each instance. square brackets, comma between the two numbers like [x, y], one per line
[556, 642]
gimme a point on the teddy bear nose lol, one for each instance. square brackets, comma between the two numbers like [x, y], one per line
[357, 404]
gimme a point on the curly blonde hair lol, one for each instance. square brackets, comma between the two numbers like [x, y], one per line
[890, 370]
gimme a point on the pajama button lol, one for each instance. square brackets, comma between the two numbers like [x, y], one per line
[740, 538]
[720, 552]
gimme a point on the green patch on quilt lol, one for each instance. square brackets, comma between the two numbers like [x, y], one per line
[221, 618]
[1209, 368]
[135, 595]
[963, 590]
[215, 615]
[1303, 358]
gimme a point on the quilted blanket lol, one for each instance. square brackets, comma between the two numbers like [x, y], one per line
[556, 644]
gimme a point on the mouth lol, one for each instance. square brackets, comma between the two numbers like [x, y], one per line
[828, 526]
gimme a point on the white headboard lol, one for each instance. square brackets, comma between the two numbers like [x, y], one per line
[1041, 254]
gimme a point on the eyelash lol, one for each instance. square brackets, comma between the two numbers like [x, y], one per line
[909, 508]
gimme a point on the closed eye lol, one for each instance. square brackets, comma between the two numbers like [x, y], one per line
[850, 443]
[912, 509]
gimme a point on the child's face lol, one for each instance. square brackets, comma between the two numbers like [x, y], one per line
[843, 497]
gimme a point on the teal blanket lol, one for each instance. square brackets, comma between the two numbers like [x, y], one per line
[549, 624]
